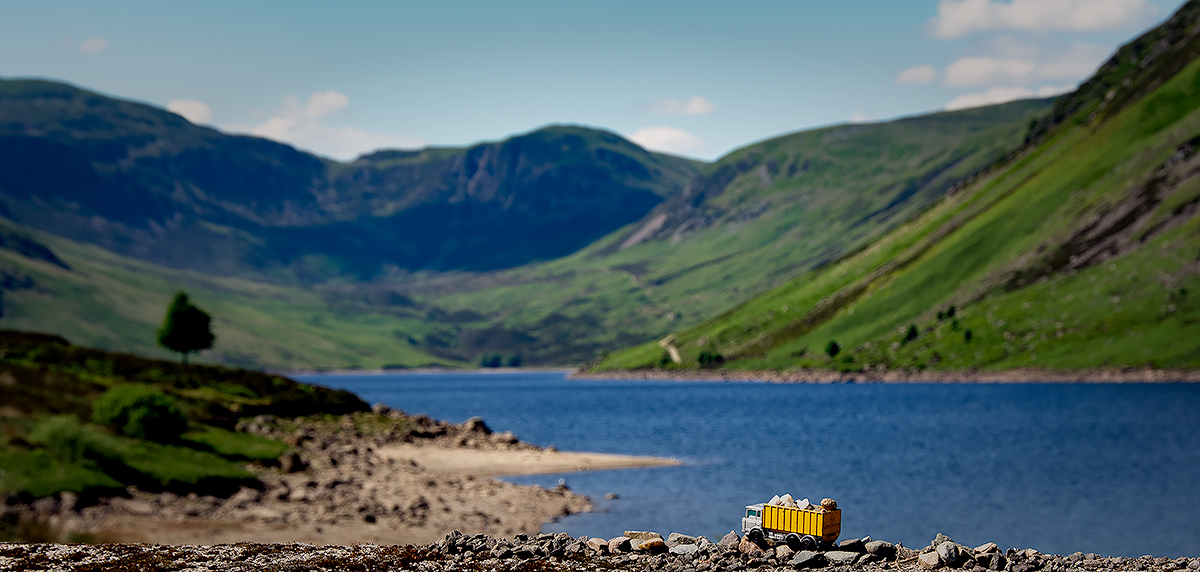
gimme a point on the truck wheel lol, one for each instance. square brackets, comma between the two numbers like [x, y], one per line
[756, 535]
[793, 542]
[809, 542]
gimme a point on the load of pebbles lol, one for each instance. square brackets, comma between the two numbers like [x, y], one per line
[633, 551]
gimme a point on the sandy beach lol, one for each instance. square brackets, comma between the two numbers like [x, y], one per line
[380, 477]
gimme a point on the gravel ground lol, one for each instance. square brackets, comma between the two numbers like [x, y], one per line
[636, 551]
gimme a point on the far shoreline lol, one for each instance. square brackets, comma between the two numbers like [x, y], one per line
[1018, 375]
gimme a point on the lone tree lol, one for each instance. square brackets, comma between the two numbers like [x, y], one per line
[185, 328]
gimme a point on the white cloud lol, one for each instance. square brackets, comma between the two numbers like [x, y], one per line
[1076, 63]
[1003, 95]
[197, 112]
[983, 70]
[305, 125]
[694, 105]
[958, 18]
[669, 139]
[93, 45]
[918, 74]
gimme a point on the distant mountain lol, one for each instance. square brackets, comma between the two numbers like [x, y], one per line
[144, 182]
[1079, 250]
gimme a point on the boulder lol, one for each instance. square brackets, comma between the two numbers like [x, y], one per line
[807, 559]
[134, 506]
[828, 504]
[747, 547]
[642, 535]
[730, 540]
[684, 549]
[881, 548]
[842, 557]
[476, 425]
[991, 560]
[619, 545]
[290, 462]
[678, 538]
[783, 553]
[598, 544]
[852, 545]
[950, 553]
[940, 538]
[653, 546]
[929, 560]
[987, 548]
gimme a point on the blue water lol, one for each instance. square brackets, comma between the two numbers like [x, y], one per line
[1113, 469]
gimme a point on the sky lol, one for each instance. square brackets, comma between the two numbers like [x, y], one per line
[696, 78]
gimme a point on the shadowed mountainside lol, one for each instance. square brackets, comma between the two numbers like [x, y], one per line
[146, 183]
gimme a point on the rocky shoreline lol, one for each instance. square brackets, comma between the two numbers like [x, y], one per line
[346, 479]
[1019, 375]
[635, 551]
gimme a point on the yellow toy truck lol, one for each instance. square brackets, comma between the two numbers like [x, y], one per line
[801, 528]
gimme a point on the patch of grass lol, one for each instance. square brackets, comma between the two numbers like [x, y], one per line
[35, 474]
[234, 445]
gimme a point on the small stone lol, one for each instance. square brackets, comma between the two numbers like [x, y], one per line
[476, 425]
[881, 548]
[678, 538]
[987, 548]
[730, 540]
[951, 553]
[807, 559]
[134, 506]
[852, 545]
[929, 560]
[842, 557]
[653, 546]
[783, 553]
[1031, 552]
[991, 560]
[618, 545]
[290, 462]
[612, 496]
[598, 544]
[642, 535]
[747, 547]
[684, 549]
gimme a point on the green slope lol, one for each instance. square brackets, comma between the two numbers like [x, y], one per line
[1083, 250]
[751, 221]
[100, 299]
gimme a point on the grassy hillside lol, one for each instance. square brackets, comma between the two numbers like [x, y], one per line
[1083, 250]
[51, 442]
[751, 221]
[100, 299]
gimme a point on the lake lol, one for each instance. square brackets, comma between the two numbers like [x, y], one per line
[1106, 468]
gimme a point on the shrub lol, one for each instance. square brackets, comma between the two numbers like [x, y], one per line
[833, 348]
[967, 335]
[711, 357]
[140, 411]
[68, 440]
[912, 333]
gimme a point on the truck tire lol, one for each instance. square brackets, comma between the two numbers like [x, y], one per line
[756, 535]
[793, 542]
[809, 542]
